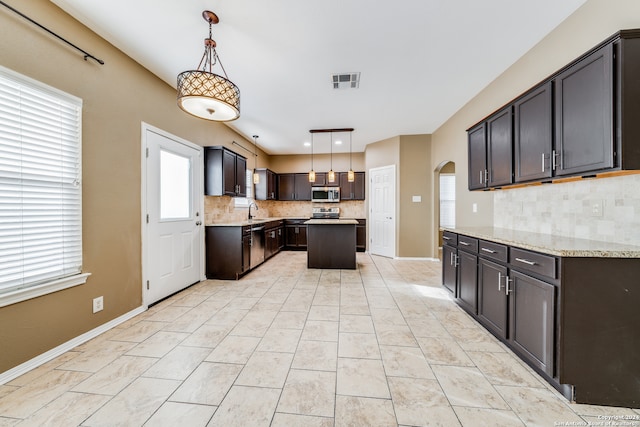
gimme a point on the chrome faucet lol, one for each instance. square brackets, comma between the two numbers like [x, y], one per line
[255, 206]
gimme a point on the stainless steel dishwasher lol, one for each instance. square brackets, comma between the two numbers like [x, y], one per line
[257, 246]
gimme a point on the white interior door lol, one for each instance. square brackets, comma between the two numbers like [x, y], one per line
[173, 220]
[382, 202]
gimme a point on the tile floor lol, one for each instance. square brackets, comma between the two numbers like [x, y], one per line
[383, 345]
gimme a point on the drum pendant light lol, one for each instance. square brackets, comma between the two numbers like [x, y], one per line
[205, 94]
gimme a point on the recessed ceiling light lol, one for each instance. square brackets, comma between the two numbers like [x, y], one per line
[307, 144]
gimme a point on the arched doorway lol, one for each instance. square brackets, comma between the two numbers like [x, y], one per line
[444, 203]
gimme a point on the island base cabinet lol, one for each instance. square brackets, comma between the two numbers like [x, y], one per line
[532, 315]
[492, 297]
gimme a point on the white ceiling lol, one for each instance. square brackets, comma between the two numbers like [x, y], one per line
[421, 60]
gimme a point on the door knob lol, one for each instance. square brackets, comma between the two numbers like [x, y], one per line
[198, 222]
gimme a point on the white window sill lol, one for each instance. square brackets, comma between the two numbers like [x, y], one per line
[19, 295]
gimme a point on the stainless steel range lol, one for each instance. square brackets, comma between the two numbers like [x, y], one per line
[325, 213]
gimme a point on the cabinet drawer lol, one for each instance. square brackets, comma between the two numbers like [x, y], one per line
[468, 244]
[544, 265]
[450, 238]
[492, 250]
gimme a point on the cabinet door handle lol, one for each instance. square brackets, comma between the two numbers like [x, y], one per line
[455, 260]
[554, 163]
[486, 177]
[507, 290]
[481, 175]
[465, 243]
[542, 162]
[487, 250]
[526, 261]
[451, 258]
[499, 281]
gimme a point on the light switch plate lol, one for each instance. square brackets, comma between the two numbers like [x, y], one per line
[416, 199]
[474, 208]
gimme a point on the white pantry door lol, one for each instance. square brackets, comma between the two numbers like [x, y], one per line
[382, 200]
[174, 222]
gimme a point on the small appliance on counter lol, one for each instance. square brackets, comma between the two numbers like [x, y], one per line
[325, 194]
[325, 213]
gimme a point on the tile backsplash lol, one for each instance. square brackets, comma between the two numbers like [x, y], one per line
[604, 209]
[222, 209]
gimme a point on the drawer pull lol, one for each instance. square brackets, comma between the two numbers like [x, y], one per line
[488, 250]
[446, 238]
[526, 261]
[465, 243]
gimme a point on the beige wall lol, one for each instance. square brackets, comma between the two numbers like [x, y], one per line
[321, 162]
[592, 23]
[415, 179]
[117, 97]
[411, 156]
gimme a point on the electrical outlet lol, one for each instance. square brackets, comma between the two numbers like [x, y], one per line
[98, 304]
[597, 207]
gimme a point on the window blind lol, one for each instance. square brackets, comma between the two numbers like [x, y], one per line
[447, 200]
[40, 183]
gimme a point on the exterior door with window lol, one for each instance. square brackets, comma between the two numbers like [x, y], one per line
[382, 228]
[174, 221]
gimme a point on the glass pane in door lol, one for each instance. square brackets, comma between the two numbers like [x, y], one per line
[175, 186]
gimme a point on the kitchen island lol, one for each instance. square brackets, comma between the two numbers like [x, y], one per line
[331, 243]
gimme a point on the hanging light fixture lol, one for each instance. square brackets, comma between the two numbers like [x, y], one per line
[256, 177]
[331, 176]
[204, 94]
[351, 176]
[312, 173]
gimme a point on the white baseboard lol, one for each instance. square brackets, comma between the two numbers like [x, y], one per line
[415, 259]
[25, 367]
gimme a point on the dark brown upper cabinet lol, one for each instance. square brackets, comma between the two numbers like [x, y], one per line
[351, 190]
[224, 173]
[500, 148]
[267, 187]
[294, 186]
[478, 173]
[583, 120]
[584, 115]
[533, 134]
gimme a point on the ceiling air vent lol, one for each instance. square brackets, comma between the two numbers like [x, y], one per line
[346, 80]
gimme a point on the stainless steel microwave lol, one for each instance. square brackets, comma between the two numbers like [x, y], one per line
[325, 194]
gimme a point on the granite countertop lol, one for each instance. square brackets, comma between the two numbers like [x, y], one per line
[254, 221]
[551, 244]
[331, 222]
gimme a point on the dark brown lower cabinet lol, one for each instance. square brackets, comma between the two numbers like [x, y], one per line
[449, 268]
[467, 281]
[573, 319]
[532, 319]
[273, 240]
[295, 234]
[492, 298]
[361, 235]
[228, 251]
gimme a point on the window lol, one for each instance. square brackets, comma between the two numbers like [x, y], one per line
[40, 189]
[243, 202]
[447, 200]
